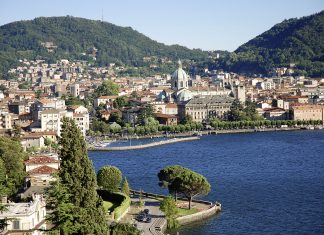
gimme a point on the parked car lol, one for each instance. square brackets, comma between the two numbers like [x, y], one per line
[148, 219]
[140, 218]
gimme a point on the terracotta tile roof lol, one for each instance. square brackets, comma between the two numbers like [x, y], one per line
[171, 105]
[32, 136]
[161, 115]
[73, 107]
[157, 88]
[78, 115]
[275, 109]
[45, 101]
[296, 97]
[108, 97]
[48, 133]
[42, 170]
[40, 160]
[307, 107]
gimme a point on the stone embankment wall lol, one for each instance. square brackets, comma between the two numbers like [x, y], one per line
[214, 209]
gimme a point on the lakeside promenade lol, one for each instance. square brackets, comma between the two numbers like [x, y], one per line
[189, 136]
[169, 141]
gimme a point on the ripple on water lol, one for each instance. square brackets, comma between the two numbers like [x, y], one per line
[268, 183]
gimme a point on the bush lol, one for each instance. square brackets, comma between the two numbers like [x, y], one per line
[122, 200]
[172, 223]
[122, 207]
[124, 229]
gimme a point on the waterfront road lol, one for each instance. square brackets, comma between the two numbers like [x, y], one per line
[156, 214]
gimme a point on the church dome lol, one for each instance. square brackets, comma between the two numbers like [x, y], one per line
[184, 95]
[180, 75]
[179, 79]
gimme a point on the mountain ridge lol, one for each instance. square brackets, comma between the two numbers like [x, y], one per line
[297, 40]
[74, 36]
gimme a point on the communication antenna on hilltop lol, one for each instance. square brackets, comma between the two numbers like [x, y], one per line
[102, 16]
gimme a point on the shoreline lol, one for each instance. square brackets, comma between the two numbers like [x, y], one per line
[149, 145]
[188, 136]
[159, 226]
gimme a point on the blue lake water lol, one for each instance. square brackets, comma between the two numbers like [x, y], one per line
[268, 183]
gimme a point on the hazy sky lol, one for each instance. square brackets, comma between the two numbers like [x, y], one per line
[205, 24]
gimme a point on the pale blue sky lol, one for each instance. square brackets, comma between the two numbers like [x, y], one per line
[205, 24]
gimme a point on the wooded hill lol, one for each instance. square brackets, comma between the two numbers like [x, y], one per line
[298, 41]
[294, 41]
[75, 38]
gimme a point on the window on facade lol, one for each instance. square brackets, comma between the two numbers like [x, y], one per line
[16, 224]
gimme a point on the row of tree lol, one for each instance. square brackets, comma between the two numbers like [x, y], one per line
[99, 128]
[220, 125]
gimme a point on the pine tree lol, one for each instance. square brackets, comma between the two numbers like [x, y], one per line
[82, 205]
[125, 187]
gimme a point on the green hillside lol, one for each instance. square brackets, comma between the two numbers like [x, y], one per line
[76, 36]
[299, 41]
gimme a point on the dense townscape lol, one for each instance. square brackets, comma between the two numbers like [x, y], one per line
[51, 112]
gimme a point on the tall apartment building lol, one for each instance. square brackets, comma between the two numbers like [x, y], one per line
[5, 120]
[51, 120]
[46, 104]
[75, 90]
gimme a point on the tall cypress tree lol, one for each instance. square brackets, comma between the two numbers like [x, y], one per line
[78, 176]
[125, 187]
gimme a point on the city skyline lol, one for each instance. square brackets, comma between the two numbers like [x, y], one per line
[208, 25]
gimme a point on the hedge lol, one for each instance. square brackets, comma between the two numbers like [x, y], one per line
[122, 200]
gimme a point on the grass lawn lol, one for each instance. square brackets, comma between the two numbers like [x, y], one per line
[185, 211]
[107, 205]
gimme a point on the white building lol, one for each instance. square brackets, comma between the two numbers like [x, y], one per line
[81, 117]
[75, 90]
[239, 93]
[104, 100]
[51, 120]
[5, 120]
[25, 217]
[46, 104]
[40, 170]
